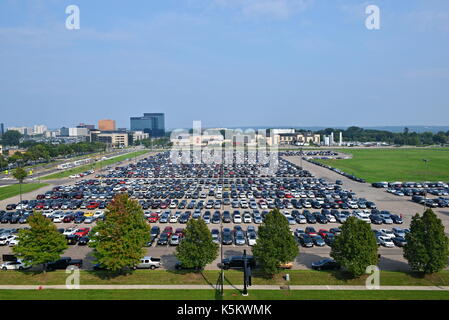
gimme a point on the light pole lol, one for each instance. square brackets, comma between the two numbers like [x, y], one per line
[426, 161]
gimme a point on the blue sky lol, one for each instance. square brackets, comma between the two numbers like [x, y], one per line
[225, 62]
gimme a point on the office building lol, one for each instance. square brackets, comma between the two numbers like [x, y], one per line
[112, 139]
[78, 132]
[106, 125]
[151, 123]
[2, 129]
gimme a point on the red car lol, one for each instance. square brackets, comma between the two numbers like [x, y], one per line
[323, 233]
[82, 232]
[168, 230]
[92, 205]
[179, 232]
[153, 217]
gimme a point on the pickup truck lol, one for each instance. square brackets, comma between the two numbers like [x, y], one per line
[148, 263]
[63, 263]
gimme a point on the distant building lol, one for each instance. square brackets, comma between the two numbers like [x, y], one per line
[87, 126]
[39, 129]
[23, 130]
[113, 139]
[78, 132]
[139, 135]
[297, 138]
[106, 125]
[64, 132]
[2, 129]
[151, 123]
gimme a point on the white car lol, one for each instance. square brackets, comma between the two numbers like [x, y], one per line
[4, 240]
[301, 219]
[247, 218]
[237, 218]
[173, 219]
[69, 231]
[14, 265]
[386, 241]
[57, 218]
[291, 220]
[98, 214]
[387, 233]
[252, 239]
[331, 218]
[13, 241]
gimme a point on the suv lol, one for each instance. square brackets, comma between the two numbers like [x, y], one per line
[236, 262]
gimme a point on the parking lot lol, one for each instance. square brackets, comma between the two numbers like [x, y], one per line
[190, 191]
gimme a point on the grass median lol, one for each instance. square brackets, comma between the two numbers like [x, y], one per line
[208, 277]
[50, 294]
[14, 190]
[391, 165]
[95, 165]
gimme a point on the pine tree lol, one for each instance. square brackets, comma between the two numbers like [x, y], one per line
[275, 243]
[197, 248]
[356, 247]
[427, 245]
[40, 244]
[119, 240]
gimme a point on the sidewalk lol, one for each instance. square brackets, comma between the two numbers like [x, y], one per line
[210, 287]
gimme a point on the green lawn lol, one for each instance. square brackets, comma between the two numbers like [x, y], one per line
[13, 190]
[232, 277]
[96, 165]
[48, 294]
[390, 165]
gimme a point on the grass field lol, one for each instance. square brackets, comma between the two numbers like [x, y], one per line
[49, 294]
[96, 165]
[13, 190]
[390, 165]
[232, 277]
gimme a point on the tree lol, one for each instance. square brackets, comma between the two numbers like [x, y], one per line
[356, 247]
[119, 240]
[427, 245]
[275, 244]
[40, 244]
[197, 248]
[20, 174]
[11, 138]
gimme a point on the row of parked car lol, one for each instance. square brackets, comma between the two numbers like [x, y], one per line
[339, 171]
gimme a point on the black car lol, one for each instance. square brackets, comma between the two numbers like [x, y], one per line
[226, 238]
[399, 241]
[83, 241]
[325, 264]
[236, 262]
[396, 219]
[72, 239]
[180, 266]
[63, 263]
[163, 239]
[376, 219]
[155, 230]
[226, 217]
[306, 241]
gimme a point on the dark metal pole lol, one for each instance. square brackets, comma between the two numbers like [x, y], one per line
[245, 266]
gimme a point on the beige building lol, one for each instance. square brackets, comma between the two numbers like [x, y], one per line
[113, 139]
[297, 138]
[106, 125]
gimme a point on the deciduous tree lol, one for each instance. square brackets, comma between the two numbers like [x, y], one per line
[356, 247]
[119, 240]
[427, 245]
[275, 243]
[40, 244]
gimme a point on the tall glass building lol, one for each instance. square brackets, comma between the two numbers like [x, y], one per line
[151, 123]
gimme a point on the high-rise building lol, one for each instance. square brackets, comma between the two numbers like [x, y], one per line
[39, 129]
[2, 129]
[151, 123]
[106, 125]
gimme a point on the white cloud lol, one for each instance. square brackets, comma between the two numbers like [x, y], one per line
[272, 9]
